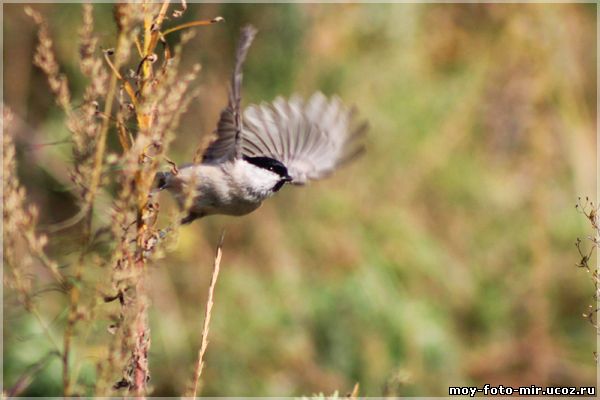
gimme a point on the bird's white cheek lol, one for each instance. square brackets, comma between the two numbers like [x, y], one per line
[255, 181]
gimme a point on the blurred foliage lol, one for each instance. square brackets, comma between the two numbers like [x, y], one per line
[443, 257]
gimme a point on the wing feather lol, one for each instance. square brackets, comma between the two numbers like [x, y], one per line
[310, 138]
[227, 145]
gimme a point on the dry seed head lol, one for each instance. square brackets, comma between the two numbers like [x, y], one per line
[44, 58]
[88, 42]
[22, 242]
[126, 15]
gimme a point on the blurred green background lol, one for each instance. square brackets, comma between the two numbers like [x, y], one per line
[443, 257]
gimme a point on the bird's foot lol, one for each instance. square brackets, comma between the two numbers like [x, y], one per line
[191, 217]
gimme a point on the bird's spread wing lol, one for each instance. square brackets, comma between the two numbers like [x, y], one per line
[229, 129]
[310, 138]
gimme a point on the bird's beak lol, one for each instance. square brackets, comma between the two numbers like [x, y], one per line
[288, 178]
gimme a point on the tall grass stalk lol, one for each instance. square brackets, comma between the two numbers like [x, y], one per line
[142, 108]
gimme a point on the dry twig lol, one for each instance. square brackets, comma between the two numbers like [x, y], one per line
[207, 315]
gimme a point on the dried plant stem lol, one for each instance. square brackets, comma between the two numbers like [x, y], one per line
[67, 338]
[101, 145]
[207, 315]
[142, 339]
[138, 46]
[96, 175]
[73, 317]
[126, 84]
[46, 262]
[193, 24]
[44, 327]
[591, 211]
[151, 32]
[140, 324]
[151, 45]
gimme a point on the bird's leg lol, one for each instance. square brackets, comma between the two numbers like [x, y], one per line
[191, 217]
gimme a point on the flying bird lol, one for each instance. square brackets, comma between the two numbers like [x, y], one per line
[255, 153]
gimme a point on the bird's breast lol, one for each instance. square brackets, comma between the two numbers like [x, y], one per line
[231, 189]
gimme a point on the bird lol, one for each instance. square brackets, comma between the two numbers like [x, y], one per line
[257, 151]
